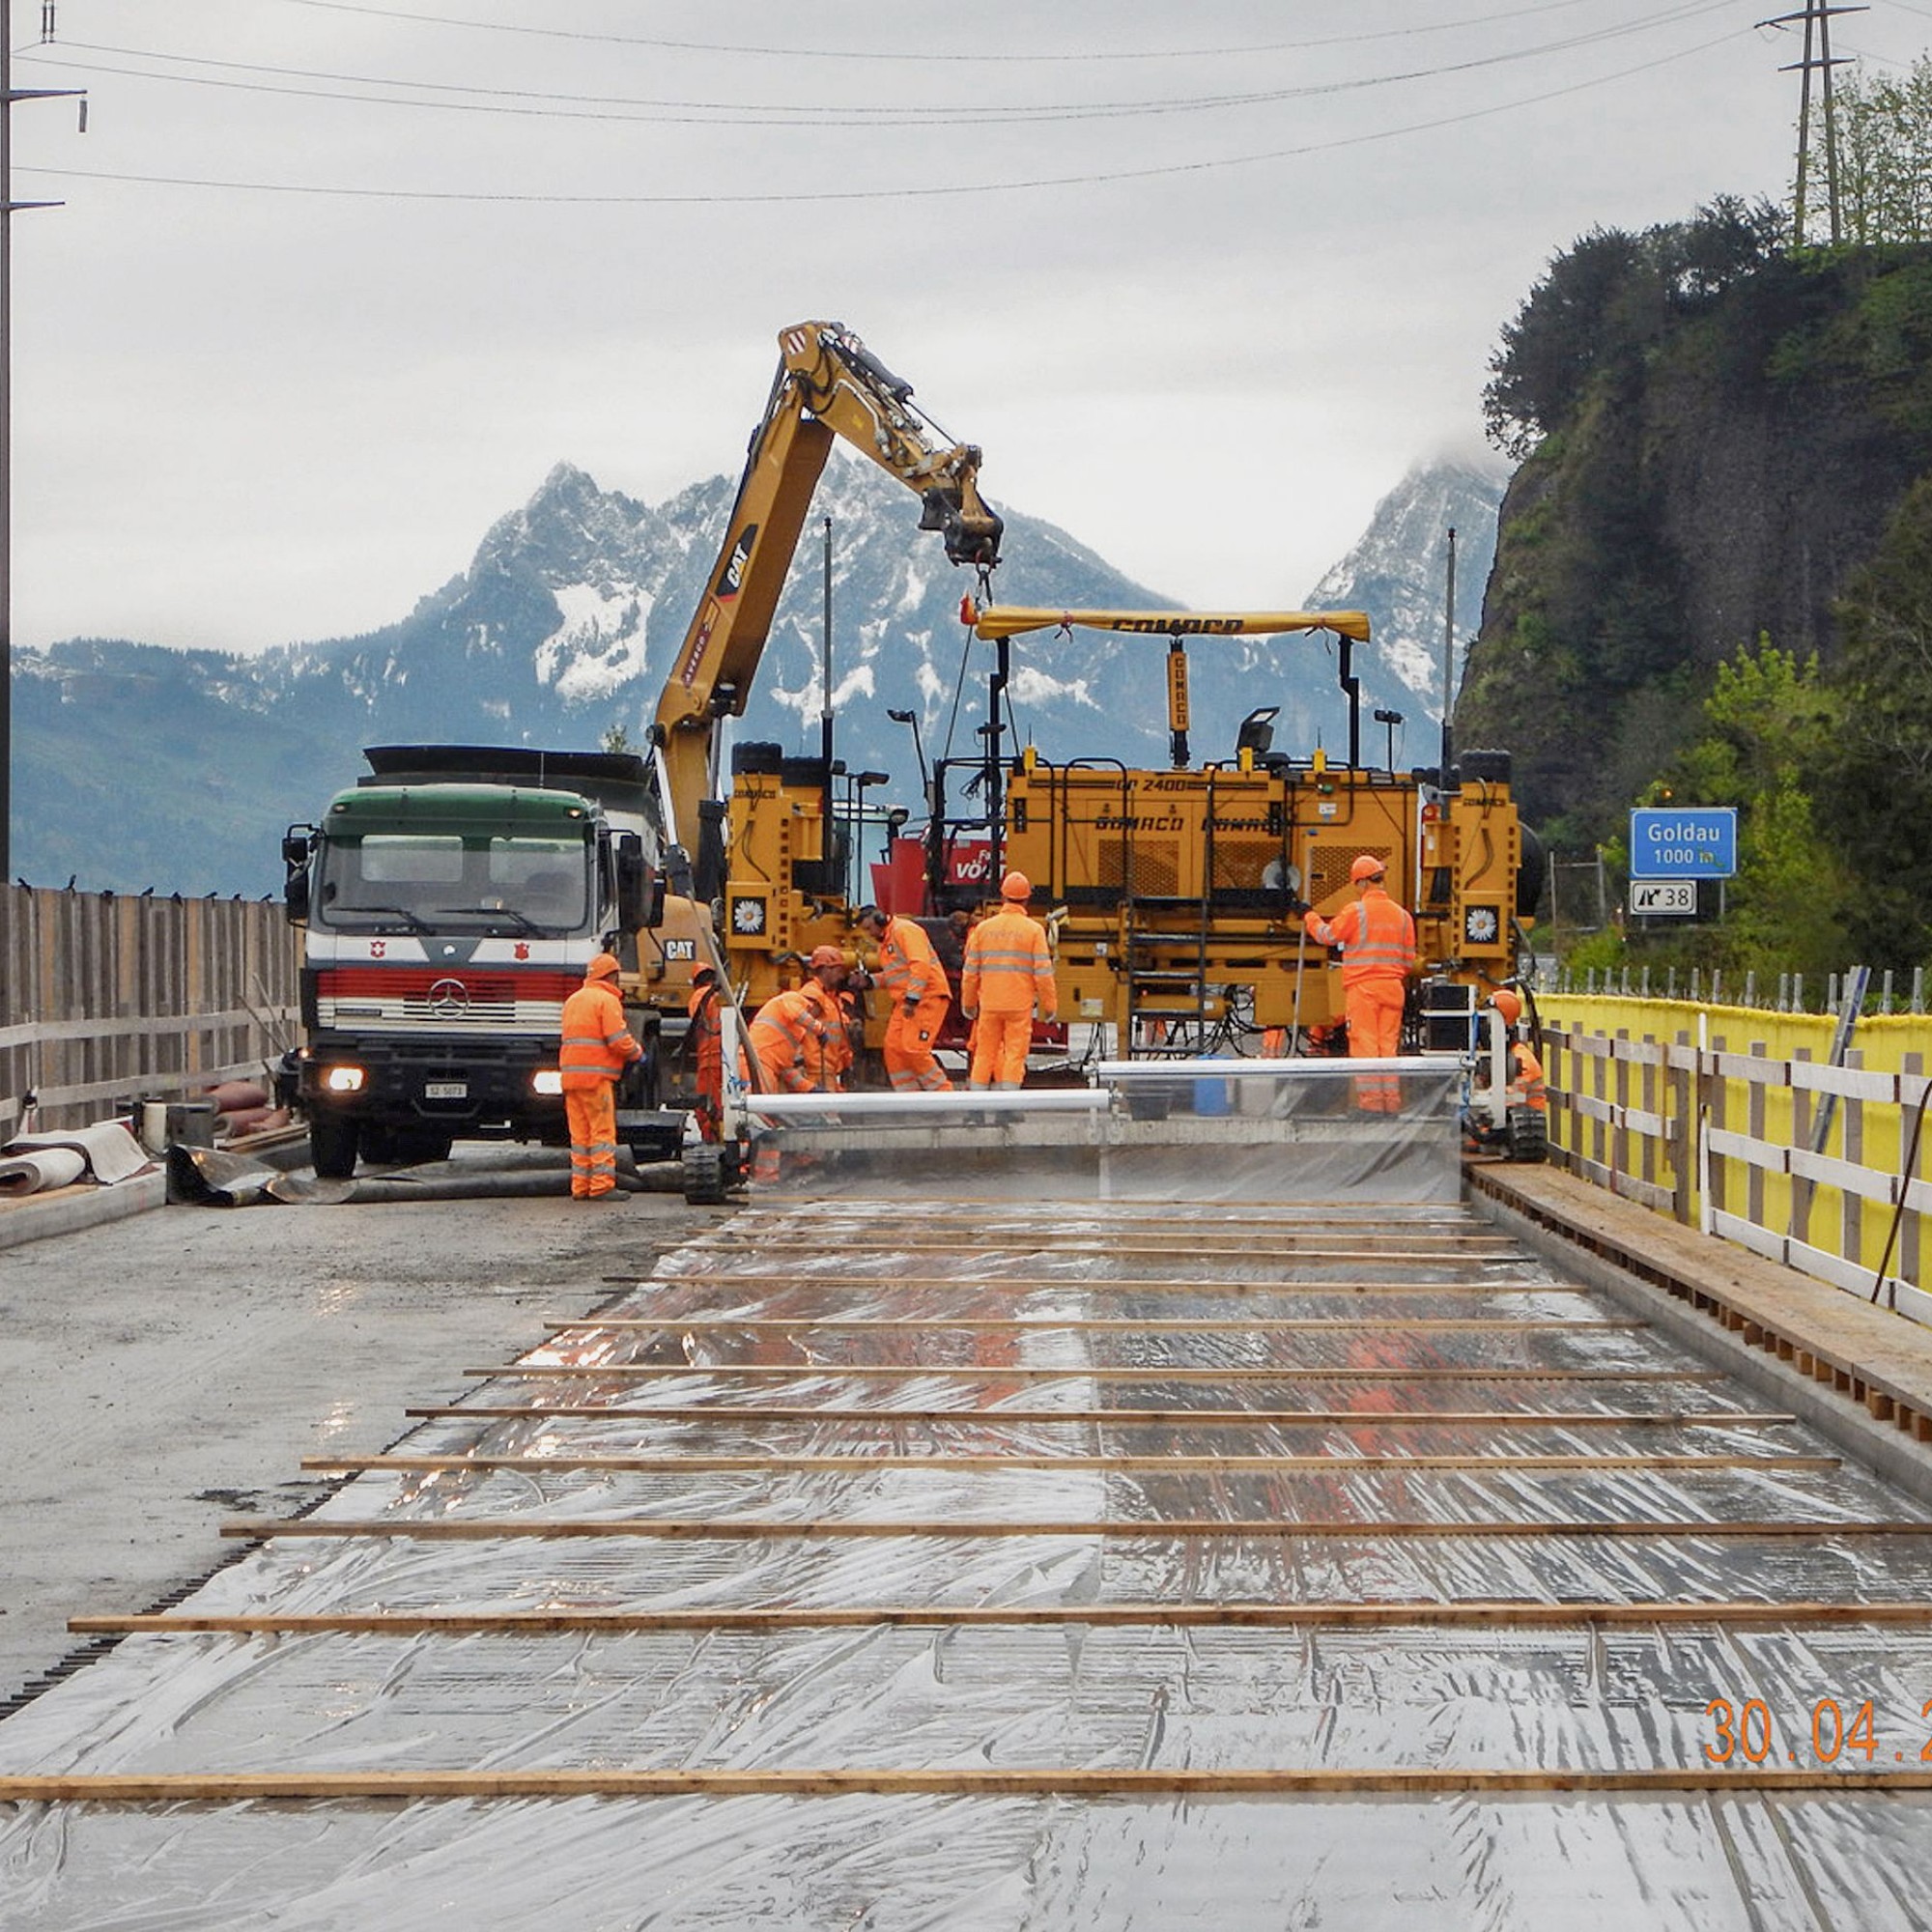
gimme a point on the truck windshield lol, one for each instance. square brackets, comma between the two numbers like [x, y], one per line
[434, 881]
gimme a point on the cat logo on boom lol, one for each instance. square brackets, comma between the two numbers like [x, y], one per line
[732, 578]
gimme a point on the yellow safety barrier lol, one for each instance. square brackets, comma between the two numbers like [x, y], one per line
[1734, 1119]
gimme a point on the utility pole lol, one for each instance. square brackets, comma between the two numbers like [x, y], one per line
[9, 208]
[1817, 19]
[1449, 656]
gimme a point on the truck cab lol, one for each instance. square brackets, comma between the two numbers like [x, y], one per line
[451, 907]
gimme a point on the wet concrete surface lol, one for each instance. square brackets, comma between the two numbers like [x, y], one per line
[160, 1374]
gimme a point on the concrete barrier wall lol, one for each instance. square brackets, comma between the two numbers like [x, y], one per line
[104, 998]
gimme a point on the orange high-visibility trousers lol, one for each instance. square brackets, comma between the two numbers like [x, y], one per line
[1000, 1045]
[908, 1046]
[1374, 1032]
[592, 1114]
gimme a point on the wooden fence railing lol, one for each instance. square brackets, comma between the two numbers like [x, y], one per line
[1734, 1124]
[104, 999]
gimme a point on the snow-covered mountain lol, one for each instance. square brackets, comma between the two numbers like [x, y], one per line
[1398, 572]
[138, 766]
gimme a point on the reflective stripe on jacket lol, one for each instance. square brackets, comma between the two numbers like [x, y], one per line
[1008, 969]
[909, 969]
[597, 1045]
[1376, 935]
[788, 1039]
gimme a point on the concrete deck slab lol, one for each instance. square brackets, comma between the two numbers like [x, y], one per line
[165, 1370]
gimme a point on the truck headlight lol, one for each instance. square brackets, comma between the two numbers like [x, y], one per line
[344, 1079]
[547, 1080]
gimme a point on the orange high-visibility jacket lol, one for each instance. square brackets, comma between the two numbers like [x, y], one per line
[909, 969]
[1008, 967]
[1527, 1087]
[1376, 935]
[705, 1026]
[597, 1045]
[788, 1039]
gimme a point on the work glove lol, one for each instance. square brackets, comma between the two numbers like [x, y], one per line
[1297, 907]
[911, 1007]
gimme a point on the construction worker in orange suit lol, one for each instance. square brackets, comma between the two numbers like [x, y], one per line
[1377, 942]
[914, 982]
[1008, 974]
[707, 1049]
[1527, 1087]
[790, 1030]
[597, 1047]
[843, 1038]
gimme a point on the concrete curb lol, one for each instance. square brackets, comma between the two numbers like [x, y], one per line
[65, 1210]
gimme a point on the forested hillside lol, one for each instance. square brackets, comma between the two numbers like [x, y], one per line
[1713, 574]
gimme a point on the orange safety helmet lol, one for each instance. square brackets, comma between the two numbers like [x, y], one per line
[823, 956]
[603, 966]
[1017, 886]
[1366, 866]
[1507, 1004]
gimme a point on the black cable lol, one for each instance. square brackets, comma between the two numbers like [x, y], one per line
[761, 114]
[821, 195]
[1003, 58]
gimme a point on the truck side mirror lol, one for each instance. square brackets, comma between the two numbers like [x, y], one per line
[295, 888]
[639, 890]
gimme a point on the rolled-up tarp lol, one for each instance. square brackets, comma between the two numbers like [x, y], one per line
[39, 1169]
[237, 1096]
[108, 1150]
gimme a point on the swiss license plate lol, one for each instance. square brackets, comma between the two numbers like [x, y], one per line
[445, 1090]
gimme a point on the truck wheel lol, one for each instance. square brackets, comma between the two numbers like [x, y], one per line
[331, 1142]
[1527, 1135]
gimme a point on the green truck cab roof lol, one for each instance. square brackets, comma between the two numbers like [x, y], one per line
[465, 810]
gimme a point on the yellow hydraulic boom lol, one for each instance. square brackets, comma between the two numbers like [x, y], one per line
[828, 383]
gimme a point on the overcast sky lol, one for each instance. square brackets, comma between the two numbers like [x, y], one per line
[336, 284]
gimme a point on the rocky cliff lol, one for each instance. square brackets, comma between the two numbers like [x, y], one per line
[1716, 434]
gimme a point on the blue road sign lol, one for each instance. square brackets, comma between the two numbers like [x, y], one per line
[1684, 843]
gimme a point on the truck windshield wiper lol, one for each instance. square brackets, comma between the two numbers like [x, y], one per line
[413, 921]
[524, 923]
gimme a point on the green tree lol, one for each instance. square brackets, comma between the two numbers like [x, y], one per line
[1883, 128]
[1604, 299]
[1770, 722]
[1555, 340]
[1881, 764]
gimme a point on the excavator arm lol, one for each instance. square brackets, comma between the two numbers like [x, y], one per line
[828, 385]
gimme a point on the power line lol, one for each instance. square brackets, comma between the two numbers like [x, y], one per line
[827, 195]
[595, 107]
[1005, 57]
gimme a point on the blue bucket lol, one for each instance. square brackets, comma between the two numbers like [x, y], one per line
[1213, 1096]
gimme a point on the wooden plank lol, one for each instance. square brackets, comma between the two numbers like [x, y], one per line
[143, 1027]
[1626, 1184]
[1469, 1250]
[869, 1460]
[788, 1279]
[1388, 1217]
[1099, 1324]
[753, 1529]
[124, 1788]
[1514, 1612]
[1159, 1418]
[1387, 1376]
